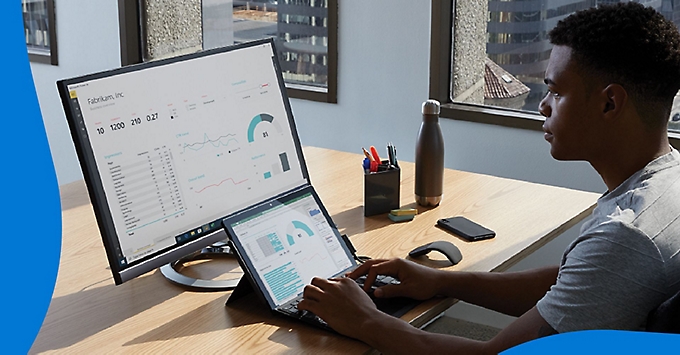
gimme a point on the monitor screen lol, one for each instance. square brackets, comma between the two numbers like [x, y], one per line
[169, 148]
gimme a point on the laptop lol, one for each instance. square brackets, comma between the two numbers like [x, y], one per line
[283, 242]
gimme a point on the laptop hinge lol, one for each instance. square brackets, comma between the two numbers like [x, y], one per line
[243, 288]
[345, 238]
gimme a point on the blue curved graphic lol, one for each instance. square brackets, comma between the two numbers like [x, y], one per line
[297, 225]
[263, 117]
[30, 212]
[304, 227]
[600, 342]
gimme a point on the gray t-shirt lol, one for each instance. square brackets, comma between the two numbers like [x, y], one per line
[626, 260]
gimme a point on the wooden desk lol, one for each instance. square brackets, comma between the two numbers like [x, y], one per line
[88, 314]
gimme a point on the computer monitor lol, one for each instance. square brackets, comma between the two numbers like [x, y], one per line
[170, 148]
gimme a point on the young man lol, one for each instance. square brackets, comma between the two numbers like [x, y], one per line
[612, 77]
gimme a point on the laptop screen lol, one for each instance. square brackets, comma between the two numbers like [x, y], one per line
[286, 242]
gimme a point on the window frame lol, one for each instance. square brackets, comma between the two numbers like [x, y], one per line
[52, 58]
[129, 16]
[441, 61]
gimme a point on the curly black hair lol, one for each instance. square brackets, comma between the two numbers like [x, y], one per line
[628, 44]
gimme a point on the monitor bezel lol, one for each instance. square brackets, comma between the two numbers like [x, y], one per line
[93, 179]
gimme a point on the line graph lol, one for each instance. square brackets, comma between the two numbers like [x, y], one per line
[220, 183]
[221, 141]
[310, 258]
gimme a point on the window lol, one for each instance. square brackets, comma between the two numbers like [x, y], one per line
[39, 30]
[488, 58]
[305, 33]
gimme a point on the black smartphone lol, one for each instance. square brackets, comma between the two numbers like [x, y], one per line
[466, 228]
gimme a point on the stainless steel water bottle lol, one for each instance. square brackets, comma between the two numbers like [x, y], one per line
[429, 157]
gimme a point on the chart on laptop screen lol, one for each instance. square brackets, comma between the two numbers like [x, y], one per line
[187, 141]
[289, 244]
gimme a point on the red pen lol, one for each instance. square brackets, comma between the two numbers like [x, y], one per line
[376, 157]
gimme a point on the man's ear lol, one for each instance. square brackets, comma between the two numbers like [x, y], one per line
[615, 97]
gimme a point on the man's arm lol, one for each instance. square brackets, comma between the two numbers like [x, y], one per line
[512, 293]
[348, 310]
[403, 338]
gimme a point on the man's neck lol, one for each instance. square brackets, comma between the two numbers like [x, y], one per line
[629, 159]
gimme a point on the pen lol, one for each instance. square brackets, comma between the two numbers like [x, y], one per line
[394, 156]
[390, 153]
[367, 154]
[376, 157]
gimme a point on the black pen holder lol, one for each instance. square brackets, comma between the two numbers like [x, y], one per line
[381, 191]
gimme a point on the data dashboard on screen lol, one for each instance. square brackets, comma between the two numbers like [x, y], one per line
[172, 147]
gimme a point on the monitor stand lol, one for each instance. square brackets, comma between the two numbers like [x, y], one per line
[171, 271]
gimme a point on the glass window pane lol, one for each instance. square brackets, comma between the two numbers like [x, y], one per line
[299, 27]
[501, 49]
[36, 26]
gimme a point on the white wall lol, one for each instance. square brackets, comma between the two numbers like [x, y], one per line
[383, 79]
[87, 42]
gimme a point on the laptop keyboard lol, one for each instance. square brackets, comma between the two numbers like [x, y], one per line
[380, 280]
[309, 317]
[306, 316]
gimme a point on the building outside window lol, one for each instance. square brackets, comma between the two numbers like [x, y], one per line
[39, 30]
[500, 51]
[303, 31]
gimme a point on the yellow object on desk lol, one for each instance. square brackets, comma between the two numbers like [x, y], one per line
[400, 218]
[404, 212]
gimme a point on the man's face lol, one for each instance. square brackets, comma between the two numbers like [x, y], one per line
[568, 109]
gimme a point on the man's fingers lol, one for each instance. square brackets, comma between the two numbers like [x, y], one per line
[388, 291]
[388, 267]
[319, 282]
[363, 268]
[311, 291]
[311, 296]
[307, 304]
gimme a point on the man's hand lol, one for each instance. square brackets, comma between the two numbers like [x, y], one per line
[349, 311]
[417, 281]
[341, 303]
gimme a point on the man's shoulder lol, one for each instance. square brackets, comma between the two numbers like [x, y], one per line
[614, 238]
[611, 276]
[644, 211]
[644, 188]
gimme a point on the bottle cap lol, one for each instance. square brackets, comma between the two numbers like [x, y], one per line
[431, 107]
